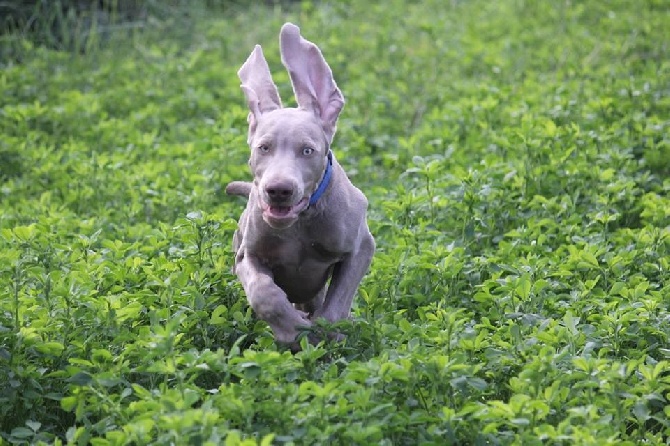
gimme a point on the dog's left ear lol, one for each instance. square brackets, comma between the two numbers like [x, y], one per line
[313, 83]
[261, 93]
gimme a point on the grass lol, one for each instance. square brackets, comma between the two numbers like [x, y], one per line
[516, 157]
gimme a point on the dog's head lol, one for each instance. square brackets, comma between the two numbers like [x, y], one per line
[289, 146]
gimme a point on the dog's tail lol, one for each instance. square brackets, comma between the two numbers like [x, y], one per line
[241, 188]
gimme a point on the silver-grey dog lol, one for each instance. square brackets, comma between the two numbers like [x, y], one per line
[302, 244]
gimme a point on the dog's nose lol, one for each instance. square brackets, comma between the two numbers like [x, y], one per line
[279, 191]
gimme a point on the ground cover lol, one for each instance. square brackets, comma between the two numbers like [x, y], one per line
[516, 157]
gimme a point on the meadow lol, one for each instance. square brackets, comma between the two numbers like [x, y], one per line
[516, 157]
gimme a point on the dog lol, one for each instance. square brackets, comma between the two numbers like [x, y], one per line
[302, 245]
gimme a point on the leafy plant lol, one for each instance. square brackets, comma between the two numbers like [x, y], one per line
[515, 158]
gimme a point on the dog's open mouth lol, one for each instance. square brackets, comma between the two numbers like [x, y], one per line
[279, 211]
[273, 213]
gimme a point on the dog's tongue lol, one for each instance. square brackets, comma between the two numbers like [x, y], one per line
[280, 211]
[282, 214]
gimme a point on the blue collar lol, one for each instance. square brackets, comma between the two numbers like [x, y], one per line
[325, 181]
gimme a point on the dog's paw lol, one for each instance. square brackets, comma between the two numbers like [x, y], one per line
[304, 315]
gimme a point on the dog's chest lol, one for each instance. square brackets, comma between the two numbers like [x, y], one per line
[295, 254]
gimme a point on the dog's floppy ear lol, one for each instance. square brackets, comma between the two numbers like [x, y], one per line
[312, 79]
[261, 93]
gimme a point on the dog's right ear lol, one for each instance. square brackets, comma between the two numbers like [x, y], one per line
[312, 79]
[261, 93]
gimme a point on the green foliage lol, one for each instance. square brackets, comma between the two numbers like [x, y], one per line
[516, 158]
[83, 25]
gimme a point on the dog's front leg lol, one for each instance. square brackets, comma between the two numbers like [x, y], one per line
[268, 301]
[347, 275]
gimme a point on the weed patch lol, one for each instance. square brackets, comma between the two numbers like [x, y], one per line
[516, 159]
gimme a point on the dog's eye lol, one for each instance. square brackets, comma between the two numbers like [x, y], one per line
[264, 148]
[307, 151]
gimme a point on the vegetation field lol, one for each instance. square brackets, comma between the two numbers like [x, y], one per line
[516, 156]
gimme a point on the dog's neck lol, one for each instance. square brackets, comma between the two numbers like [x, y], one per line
[325, 180]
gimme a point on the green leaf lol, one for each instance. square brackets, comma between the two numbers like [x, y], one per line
[267, 439]
[589, 259]
[34, 425]
[523, 287]
[80, 379]
[68, 403]
[50, 348]
[618, 288]
[25, 233]
[219, 315]
[641, 412]
[22, 433]
[101, 355]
